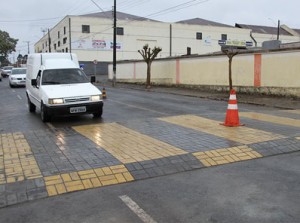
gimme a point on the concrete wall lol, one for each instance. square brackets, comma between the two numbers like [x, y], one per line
[276, 73]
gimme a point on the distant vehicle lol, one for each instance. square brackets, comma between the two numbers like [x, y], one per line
[17, 77]
[6, 71]
[57, 86]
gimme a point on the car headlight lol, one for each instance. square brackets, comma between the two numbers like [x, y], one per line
[13, 78]
[96, 97]
[55, 101]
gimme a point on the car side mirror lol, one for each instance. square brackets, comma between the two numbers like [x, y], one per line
[33, 82]
[93, 79]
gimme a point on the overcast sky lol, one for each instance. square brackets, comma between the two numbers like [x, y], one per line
[25, 20]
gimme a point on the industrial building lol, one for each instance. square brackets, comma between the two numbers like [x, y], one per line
[91, 37]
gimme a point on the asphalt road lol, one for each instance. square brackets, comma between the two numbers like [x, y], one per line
[263, 190]
[260, 190]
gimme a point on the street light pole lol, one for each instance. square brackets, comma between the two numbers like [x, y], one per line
[115, 45]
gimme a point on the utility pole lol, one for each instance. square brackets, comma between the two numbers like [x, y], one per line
[28, 46]
[49, 40]
[115, 45]
[278, 29]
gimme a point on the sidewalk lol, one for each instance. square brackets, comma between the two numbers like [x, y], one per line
[255, 99]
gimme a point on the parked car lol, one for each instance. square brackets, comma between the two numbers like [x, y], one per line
[17, 77]
[6, 71]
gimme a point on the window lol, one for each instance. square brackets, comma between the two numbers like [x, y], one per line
[198, 35]
[55, 46]
[224, 37]
[64, 76]
[58, 34]
[65, 40]
[120, 31]
[66, 49]
[63, 50]
[64, 30]
[58, 44]
[85, 29]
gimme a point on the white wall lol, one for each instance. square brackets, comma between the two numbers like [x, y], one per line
[273, 72]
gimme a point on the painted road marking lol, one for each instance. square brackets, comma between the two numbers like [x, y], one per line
[19, 97]
[240, 134]
[136, 209]
[226, 155]
[270, 118]
[86, 179]
[17, 162]
[126, 145]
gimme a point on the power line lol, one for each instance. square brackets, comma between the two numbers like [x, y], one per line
[30, 20]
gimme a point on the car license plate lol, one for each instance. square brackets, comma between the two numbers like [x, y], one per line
[78, 109]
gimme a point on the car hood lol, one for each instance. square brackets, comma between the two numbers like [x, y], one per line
[70, 90]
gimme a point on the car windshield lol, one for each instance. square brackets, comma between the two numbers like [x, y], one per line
[18, 71]
[64, 76]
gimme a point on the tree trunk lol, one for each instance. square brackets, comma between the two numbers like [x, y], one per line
[148, 82]
[230, 75]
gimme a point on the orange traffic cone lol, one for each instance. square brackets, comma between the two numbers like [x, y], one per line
[232, 114]
[103, 93]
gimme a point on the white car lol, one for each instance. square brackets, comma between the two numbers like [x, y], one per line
[6, 71]
[17, 77]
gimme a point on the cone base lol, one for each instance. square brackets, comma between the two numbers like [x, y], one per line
[232, 125]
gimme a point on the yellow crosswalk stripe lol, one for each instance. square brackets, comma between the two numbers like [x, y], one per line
[271, 118]
[126, 145]
[240, 134]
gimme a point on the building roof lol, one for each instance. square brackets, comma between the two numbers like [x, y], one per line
[202, 22]
[263, 29]
[120, 16]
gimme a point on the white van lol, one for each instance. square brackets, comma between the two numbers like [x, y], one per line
[58, 87]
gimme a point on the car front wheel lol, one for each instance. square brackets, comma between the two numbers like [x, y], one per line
[31, 106]
[98, 114]
[44, 115]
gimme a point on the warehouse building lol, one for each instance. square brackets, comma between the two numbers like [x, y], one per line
[91, 37]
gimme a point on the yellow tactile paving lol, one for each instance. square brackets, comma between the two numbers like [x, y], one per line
[127, 145]
[17, 162]
[271, 118]
[227, 155]
[240, 134]
[81, 180]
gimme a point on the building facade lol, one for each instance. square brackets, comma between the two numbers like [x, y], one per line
[91, 37]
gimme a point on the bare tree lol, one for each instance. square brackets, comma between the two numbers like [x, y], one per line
[230, 52]
[148, 56]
